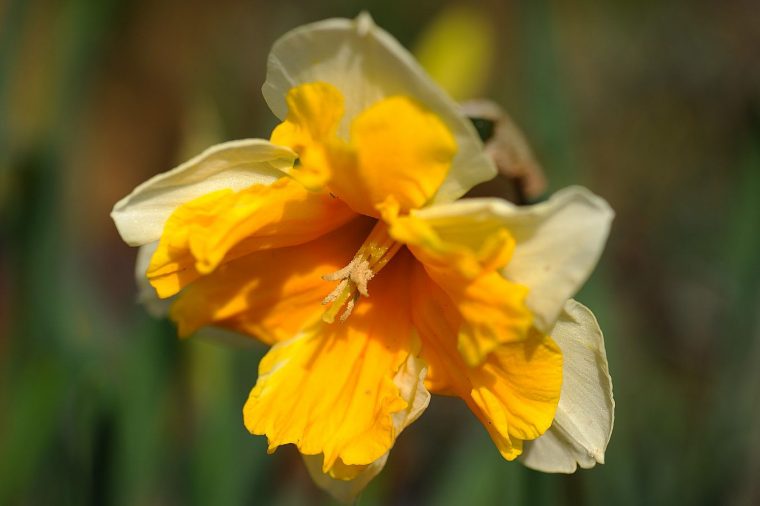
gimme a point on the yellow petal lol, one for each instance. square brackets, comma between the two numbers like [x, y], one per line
[557, 242]
[492, 309]
[270, 294]
[402, 150]
[519, 385]
[491, 251]
[146, 294]
[367, 65]
[234, 165]
[345, 482]
[314, 112]
[514, 392]
[396, 148]
[225, 225]
[331, 389]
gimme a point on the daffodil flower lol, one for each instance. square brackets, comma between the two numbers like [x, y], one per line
[340, 242]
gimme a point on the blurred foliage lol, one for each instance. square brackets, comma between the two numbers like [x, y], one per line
[654, 105]
[457, 51]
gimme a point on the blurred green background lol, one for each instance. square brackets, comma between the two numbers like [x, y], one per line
[653, 105]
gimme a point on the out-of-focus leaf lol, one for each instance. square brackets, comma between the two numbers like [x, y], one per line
[142, 437]
[12, 18]
[475, 473]
[225, 457]
[545, 101]
[737, 396]
[29, 425]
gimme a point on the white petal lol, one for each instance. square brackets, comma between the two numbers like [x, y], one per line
[558, 242]
[586, 411]
[141, 215]
[410, 380]
[367, 64]
[146, 294]
[558, 245]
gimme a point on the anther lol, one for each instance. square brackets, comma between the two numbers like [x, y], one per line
[336, 292]
[348, 310]
[361, 274]
[341, 274]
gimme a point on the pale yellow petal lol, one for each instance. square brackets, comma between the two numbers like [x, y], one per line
[233, 165]
[344, 490]
[367, 65]
[586, 412]
[557, 242]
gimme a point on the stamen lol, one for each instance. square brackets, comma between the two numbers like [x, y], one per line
[334, 294]
[342, 273]
[372, 256]
[349, 308]
[361, 274]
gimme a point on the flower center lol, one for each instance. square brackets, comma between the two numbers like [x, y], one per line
[373, 255]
